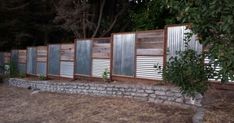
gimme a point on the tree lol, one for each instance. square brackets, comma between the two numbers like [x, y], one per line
[91, 18]
[212, 21]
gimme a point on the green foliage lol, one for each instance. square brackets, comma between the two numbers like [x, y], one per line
[106, 75]
[42, 77]
[21, 75]
[187, 71]
[213, 22]
[13, 69]
[152, 15]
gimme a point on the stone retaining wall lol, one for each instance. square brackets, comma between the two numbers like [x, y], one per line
[156, 94]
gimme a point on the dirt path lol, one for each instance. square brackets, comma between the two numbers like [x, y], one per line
[219, 106]
[19, 106]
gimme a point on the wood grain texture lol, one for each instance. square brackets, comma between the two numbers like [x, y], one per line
[67, 52]
[7, 57]
[22, 56]
[150, 43]
[42, 54]
[101, 49]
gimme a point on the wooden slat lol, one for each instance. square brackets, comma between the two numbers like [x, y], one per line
[42, 53]
[151, 52]
[7, 57]
[67, 52]
[150, 43]
[22, 56]
[101, 50]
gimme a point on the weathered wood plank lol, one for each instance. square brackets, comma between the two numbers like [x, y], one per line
[151, 52]
[67, 52]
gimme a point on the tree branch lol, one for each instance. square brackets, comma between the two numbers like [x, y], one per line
[99, 18]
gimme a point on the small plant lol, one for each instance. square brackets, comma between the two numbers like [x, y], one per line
[106, 75]
[158, 68]
[42, 77]
[21, 75]
[188, 72]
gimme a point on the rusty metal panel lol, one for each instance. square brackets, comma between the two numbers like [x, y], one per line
[124, 54]
[41, 68]
[175, 41]
[99, 66]
[145, 67]
[83, 57]
[54, 59]
[67, 69]
[31, 60]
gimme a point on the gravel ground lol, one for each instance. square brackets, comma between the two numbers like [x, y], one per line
[20, 106]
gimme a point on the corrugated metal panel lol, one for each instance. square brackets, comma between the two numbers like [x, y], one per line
[54, 60]
[14, 57]
[67, 69]
[99, 66]
[124, 54]
[41, 68]
[31, 60]
[22, 68]
[175, 40]
[207, 60]
[83, 57]
[145, 67]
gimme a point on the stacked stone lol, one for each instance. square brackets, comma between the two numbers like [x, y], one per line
[156, 94]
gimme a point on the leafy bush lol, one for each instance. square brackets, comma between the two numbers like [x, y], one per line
[42, 77]
[21, 75]
[188, 72]
[106, 75]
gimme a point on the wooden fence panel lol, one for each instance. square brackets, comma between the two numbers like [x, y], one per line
[22, 59]
[101, 53]
[149, 47]
[83, 57]
[124, 54]
[54, 59]
[41, 61]
[67, 60]
[7, 57]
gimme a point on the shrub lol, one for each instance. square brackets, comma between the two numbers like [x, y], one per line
[188, 72]
[42, 77]
[21, 75]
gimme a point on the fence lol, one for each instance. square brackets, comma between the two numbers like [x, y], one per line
[127, 56]
[41, 61]
[92, 57]
[22, 61]
[61, 60]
